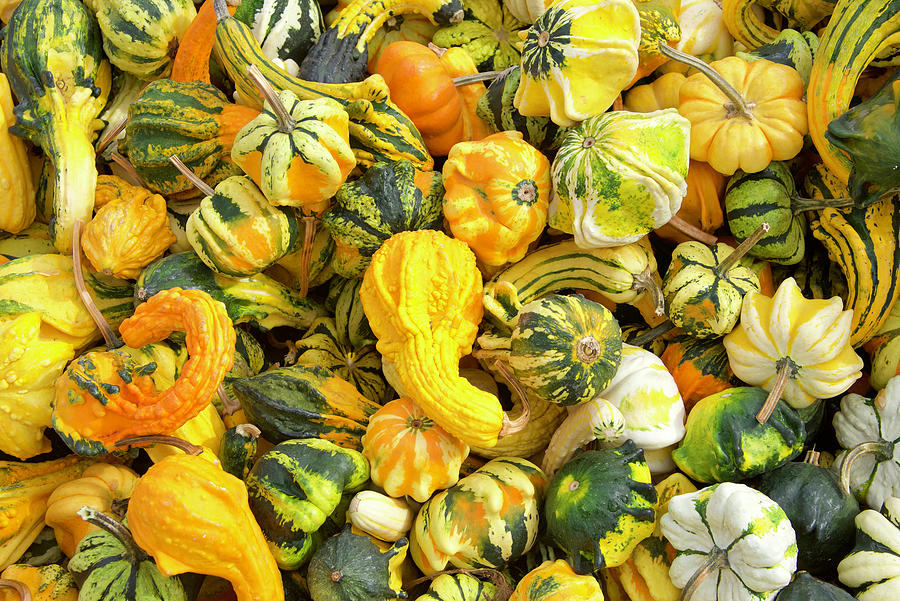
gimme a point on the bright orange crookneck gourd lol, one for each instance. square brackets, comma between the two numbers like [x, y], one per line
[103, 397]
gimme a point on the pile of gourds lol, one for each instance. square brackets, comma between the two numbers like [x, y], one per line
[450, 300]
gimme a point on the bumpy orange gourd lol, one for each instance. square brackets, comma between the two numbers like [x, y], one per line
[45, 583]
[443, 113]
[409, 454]
[422, 296]
[556, 581]
[192, 516]
[98, 487]
[496, 194]
[128, 233]
[134, 407]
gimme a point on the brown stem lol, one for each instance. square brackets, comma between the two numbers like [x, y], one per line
[228, 402]
[644, 281]
[618, 104]
[110, 136]
[179, 443]
[511, 426]
[133, 553]
[739, 107]
[784, 373]
[812, 457]
[652, 333]
[19, 587]
[716, 560]
[191, 176]
[738, 253]
[221, 8]
[881, 449]
[588, 349]
[309, 239]
[109, 336]
[133, 177]
[286, 123]
[800, 203]
[248, 431]
[692, 231]
[465, 80]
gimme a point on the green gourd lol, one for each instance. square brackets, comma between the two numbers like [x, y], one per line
[488, 32]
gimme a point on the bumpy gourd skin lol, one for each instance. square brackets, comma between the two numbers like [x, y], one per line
[422, 296]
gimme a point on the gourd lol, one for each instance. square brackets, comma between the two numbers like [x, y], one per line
[379, 515]
[59, 99]
[33, 240]
[138, 37]
[526, 11]
[699, 366]
[543, 419]
[112, 566]
[351, 567]
[803, 587]
[659, 94]
[877, 546]
[565, 349]
[15, 174]
[98, 487]
[597, 419]
[751, 30]
[789, 47]
[409, 454]
[291, 496]
[389, 198]
[576, 59]
[191, 62]
[24, 490]
[305, 401]
[599, 506]
[285, 32]
[443, 113]
[105, 396]
[205, 430]
[237, 453]
[555, 581]
[30, 362]
[619, 175]
[882, 348]
[733, 543]
[487, 33]
[411, 27]
[45, 583]
[459, 587]
[724, 441]
[128, 233]
[703, 32]
[505, 493]
[496, 195]
[187, 513]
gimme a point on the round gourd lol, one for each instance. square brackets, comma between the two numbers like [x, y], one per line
[805, 587]
[556, 581]
[488, 33]
[45, 583]
[699, 367]
[459, 587]
[600, 505]
[379, 515]
[565, 349]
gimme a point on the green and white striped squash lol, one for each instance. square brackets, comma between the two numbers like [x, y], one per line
[752, 199]
[139, 35]
[565, 349]
[236, 231]
[285, 29]
[381, 516]
[699, 299]
[867, 569]
[489, 33]
[294, 487]
[459, 587]
[619, 175]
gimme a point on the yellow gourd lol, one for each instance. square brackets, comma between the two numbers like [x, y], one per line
[18, 209]
[205, 429]
[45, 583]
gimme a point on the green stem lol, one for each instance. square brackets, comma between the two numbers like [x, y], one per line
[881, 449]
[19, 587]
[465, 80]
[133, 553]
[738, 107]
[286, 123]
[716, 560]
[738, 253]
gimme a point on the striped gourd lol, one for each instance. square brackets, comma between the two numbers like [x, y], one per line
[285, 29]
[237, 452]
[699, 366]
[864, 570]
[292, 493]
[488, 33]
[543, 420]
[752, 199]
[865, 242]
[33, 240]
[597, 419]
[379, 131]
[745, 22]
[565, 349]
[139, 35]
[459, 587]
[870, 26]
[381, 516]
[237, 232]
[349, 317]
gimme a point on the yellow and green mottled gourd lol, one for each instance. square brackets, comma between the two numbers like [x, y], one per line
[556, 581]
[747, 25]
[488, 32]
[459, 587]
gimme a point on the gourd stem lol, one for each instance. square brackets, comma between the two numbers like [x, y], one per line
[112, 341]
[784, 373]
[738, 253]
[881, 449]
[221, 8]
[286, 123]
[248, 431]
[800, 204]
[465, 80]
[179, 443]
[133, 177]
[19, 587]
[652, 333]
[740, 106]
[110, 136]
[511, 426]
[133, 553]
[228, 402]
[309, 238]
[644, 281]
[692, 231]
[812, 457]
[716, 560]
[191, 176]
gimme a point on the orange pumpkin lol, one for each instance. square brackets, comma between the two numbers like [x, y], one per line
[409, 454]
[443, 113]
[699, 366]
[702, 205]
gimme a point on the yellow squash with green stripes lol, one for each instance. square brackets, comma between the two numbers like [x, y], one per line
[749, 26]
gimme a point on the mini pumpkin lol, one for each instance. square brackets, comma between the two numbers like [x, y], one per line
[556, 581]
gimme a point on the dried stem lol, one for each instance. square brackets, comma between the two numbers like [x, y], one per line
[248, 431]
[286, 123]
[465, 80]
[652, 333]
[881, 449]
[691, 231]
[309, 239]
[739, 107]
[133, 553]
[511, 426]
[644, 281]
[191, 176]
[812, 457]
[20, 588]
[738, 253]
[133, 177]
[109, 336]
[228, 402]
[179, 443]
[716, 560]
[800, 204]
[784, 373]
[110, 136]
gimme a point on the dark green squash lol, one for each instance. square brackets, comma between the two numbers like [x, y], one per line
[389, 198]
[351, 567]
[305, 401]
[489, 33]
[600, 505]
[238, 451]
[807, 588]
[565, 349]
[349, 317]
[725, 443]
[111, 567]
[295, 487]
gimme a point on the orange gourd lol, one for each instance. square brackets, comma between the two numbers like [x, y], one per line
[443, 113]
[192, 58]
[409, 454]
[702, 205]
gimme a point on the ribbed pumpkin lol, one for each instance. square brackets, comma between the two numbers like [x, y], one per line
[556, 581]
[409, 454]
[496, 195]
[565, 349]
